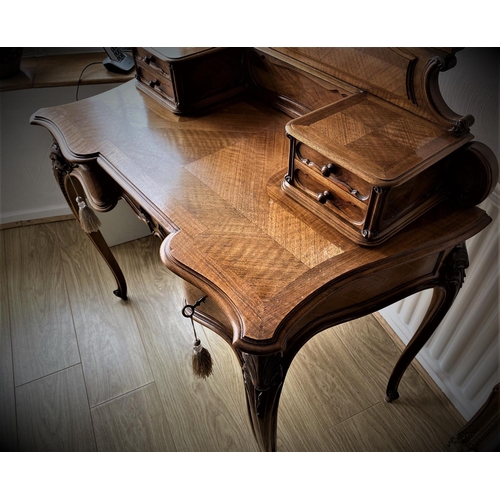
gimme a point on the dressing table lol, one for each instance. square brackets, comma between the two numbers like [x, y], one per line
[205, 148]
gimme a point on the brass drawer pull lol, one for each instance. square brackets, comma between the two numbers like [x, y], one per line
[353, 214]
[328, 169]
[324, 197]
[154, 65]
[154, 83]
[333, 170]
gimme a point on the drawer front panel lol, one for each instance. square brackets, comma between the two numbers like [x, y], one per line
[194, 81]
[329, 198]
[155, 81]
[145, 58]
[209, 313]
[333, 174]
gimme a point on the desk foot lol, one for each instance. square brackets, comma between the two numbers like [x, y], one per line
[391, 396]
[263, 377]
[118, 293]
[446, 287]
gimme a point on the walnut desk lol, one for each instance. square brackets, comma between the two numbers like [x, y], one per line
[274, 275]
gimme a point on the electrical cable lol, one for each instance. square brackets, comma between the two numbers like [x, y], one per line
[81, 74]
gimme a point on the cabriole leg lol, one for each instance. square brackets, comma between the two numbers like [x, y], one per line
[450, 280]
[71, 189]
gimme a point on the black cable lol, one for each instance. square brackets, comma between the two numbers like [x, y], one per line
[81, 74]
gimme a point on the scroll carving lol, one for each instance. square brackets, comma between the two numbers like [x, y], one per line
[59, 163]
[456, 124]
[454, 267]
[262, 371]
[154, 226]
[100, 191]
[481, 433]
[263, 377]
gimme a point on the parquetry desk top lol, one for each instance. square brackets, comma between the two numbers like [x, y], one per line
[213, 182]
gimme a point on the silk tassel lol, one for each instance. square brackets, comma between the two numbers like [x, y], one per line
[202, 360]
[88, 219]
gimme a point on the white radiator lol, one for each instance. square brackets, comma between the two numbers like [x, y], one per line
[463, 355]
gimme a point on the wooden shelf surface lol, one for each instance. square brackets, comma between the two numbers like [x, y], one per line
[62, 70]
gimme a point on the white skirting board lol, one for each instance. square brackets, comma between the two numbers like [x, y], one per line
[118, 226]
[463, 355]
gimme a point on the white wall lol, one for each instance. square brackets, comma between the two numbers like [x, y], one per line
[473, 87]
[28, 189]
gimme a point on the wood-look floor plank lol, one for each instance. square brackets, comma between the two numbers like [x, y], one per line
[8, 428]
[452, 413]
[373, 354]
[423, 416]
[113, 357]
[332, 399]
[335, 389]
[43, 336]
[299, 427]
[53, 413]
[203, 415]
[401, 426]
[133, 422]
[372, 430]
[227, 383]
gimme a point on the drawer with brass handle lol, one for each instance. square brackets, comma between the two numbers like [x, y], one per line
[155, 81]
[188, 79]
[369, 168]
[342, 178]
[154, 62]
[336, 201]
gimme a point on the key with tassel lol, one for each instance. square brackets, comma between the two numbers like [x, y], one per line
[201, 358]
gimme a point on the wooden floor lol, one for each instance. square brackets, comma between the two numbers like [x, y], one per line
[81, 370]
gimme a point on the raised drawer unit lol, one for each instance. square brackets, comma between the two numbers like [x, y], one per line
[369, 168]
[190, 79]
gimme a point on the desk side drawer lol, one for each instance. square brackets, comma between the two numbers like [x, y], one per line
[155, 81]
[188, 80]
[146, 59]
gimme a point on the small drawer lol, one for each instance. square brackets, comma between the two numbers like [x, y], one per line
[330, 197]
[155, 81]
[145, 58]
[340, 177]
[368, 161]
[188, 79]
